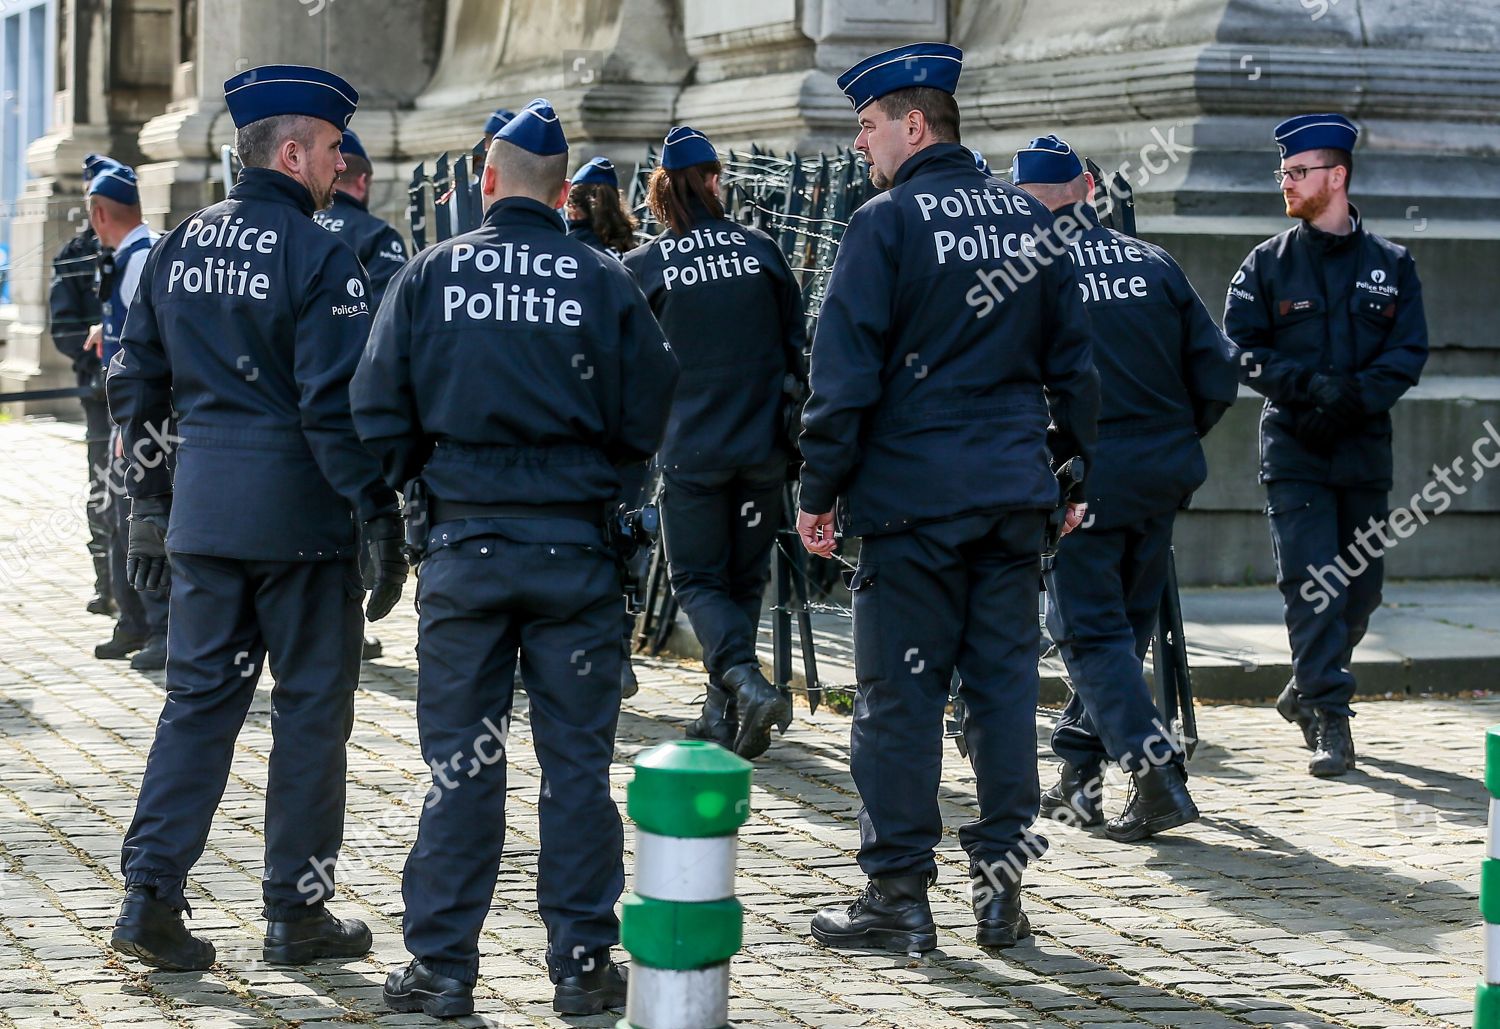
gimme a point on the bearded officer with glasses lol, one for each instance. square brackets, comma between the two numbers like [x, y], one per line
[1327, 323]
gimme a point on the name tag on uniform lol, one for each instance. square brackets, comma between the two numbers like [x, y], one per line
[1297, 306]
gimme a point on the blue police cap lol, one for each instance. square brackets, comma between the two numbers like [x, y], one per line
[934, 65]
[1046, 159]
[684, 147]
[536, 129]
[980, 162]
[352, 145]
[275, 89]
[1315, 132]
[502, 117]
[92, 163]
[600, 169]
[116, 181]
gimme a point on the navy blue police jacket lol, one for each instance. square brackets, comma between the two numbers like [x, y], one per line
[73, 304]
[379, 247]
[1165, 374]
[514, 365]
[727, 299]
[248, 323]
[1307, 302]
[943, 349]
[581, 230]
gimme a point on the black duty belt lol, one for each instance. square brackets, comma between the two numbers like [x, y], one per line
[452, 510]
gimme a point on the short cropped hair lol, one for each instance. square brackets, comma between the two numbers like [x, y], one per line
[354, 167]
[1338, 159]
[258, 142]
[526, 174]
[938, 107]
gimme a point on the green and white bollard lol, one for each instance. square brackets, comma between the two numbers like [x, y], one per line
[1487, 994]
[682, 923]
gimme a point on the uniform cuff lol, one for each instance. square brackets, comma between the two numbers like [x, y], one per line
[816, 499]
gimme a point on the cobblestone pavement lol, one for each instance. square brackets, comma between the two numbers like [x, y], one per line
[1294, 902]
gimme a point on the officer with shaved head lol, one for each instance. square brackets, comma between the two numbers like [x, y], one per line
[513, 371]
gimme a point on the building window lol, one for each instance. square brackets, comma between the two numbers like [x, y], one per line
[27, 49]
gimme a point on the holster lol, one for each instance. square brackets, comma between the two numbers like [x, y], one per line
[415, 515]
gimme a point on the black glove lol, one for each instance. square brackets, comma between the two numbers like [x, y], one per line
[1338, 398]
[382, 565]
[146, 566]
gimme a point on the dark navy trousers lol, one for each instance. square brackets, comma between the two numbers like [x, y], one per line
[1103, 598]
[227, 619]
[945, 595]
[100, 506]
[1329, 586]
[484, 600]
[719, 530]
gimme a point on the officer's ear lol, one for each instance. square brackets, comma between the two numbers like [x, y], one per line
[916, 125]
[489, 181]
[562, 194]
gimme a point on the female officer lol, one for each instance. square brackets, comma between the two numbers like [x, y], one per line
[732, 310]
[597, 217]
[595, 213]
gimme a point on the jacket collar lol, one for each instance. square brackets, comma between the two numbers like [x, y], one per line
[523, 211]
[1326, 242]
[937, 157]
[274, 186]
[340, 197]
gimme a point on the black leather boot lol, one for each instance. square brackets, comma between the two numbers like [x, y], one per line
[719, 721]
[152, 930]
[102, 602]
[892, 914]
[418, 988]
[1077, 798]
[1334, 754]
[761, 706]
[1293, 708]
[997, 908]
[321, 936]
[588, 993]
[153, 656]
[628, 685]
[1160, 802]
[120, 646]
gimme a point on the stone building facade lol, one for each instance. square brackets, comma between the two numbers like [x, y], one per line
[1185, 91]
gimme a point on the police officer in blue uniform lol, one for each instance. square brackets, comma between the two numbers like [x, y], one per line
[379, 247]
[114, 207]
[728, 301]
[595, 213]
[517, 481]
[1328, 324]
[73, 306]
[944, 348]
[1166, 379]
[249, 323]
[596, 216]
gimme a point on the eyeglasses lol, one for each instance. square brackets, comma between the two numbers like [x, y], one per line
[1298, 173]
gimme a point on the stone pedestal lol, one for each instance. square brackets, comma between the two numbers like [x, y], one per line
[767, 73]
[50, 211]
